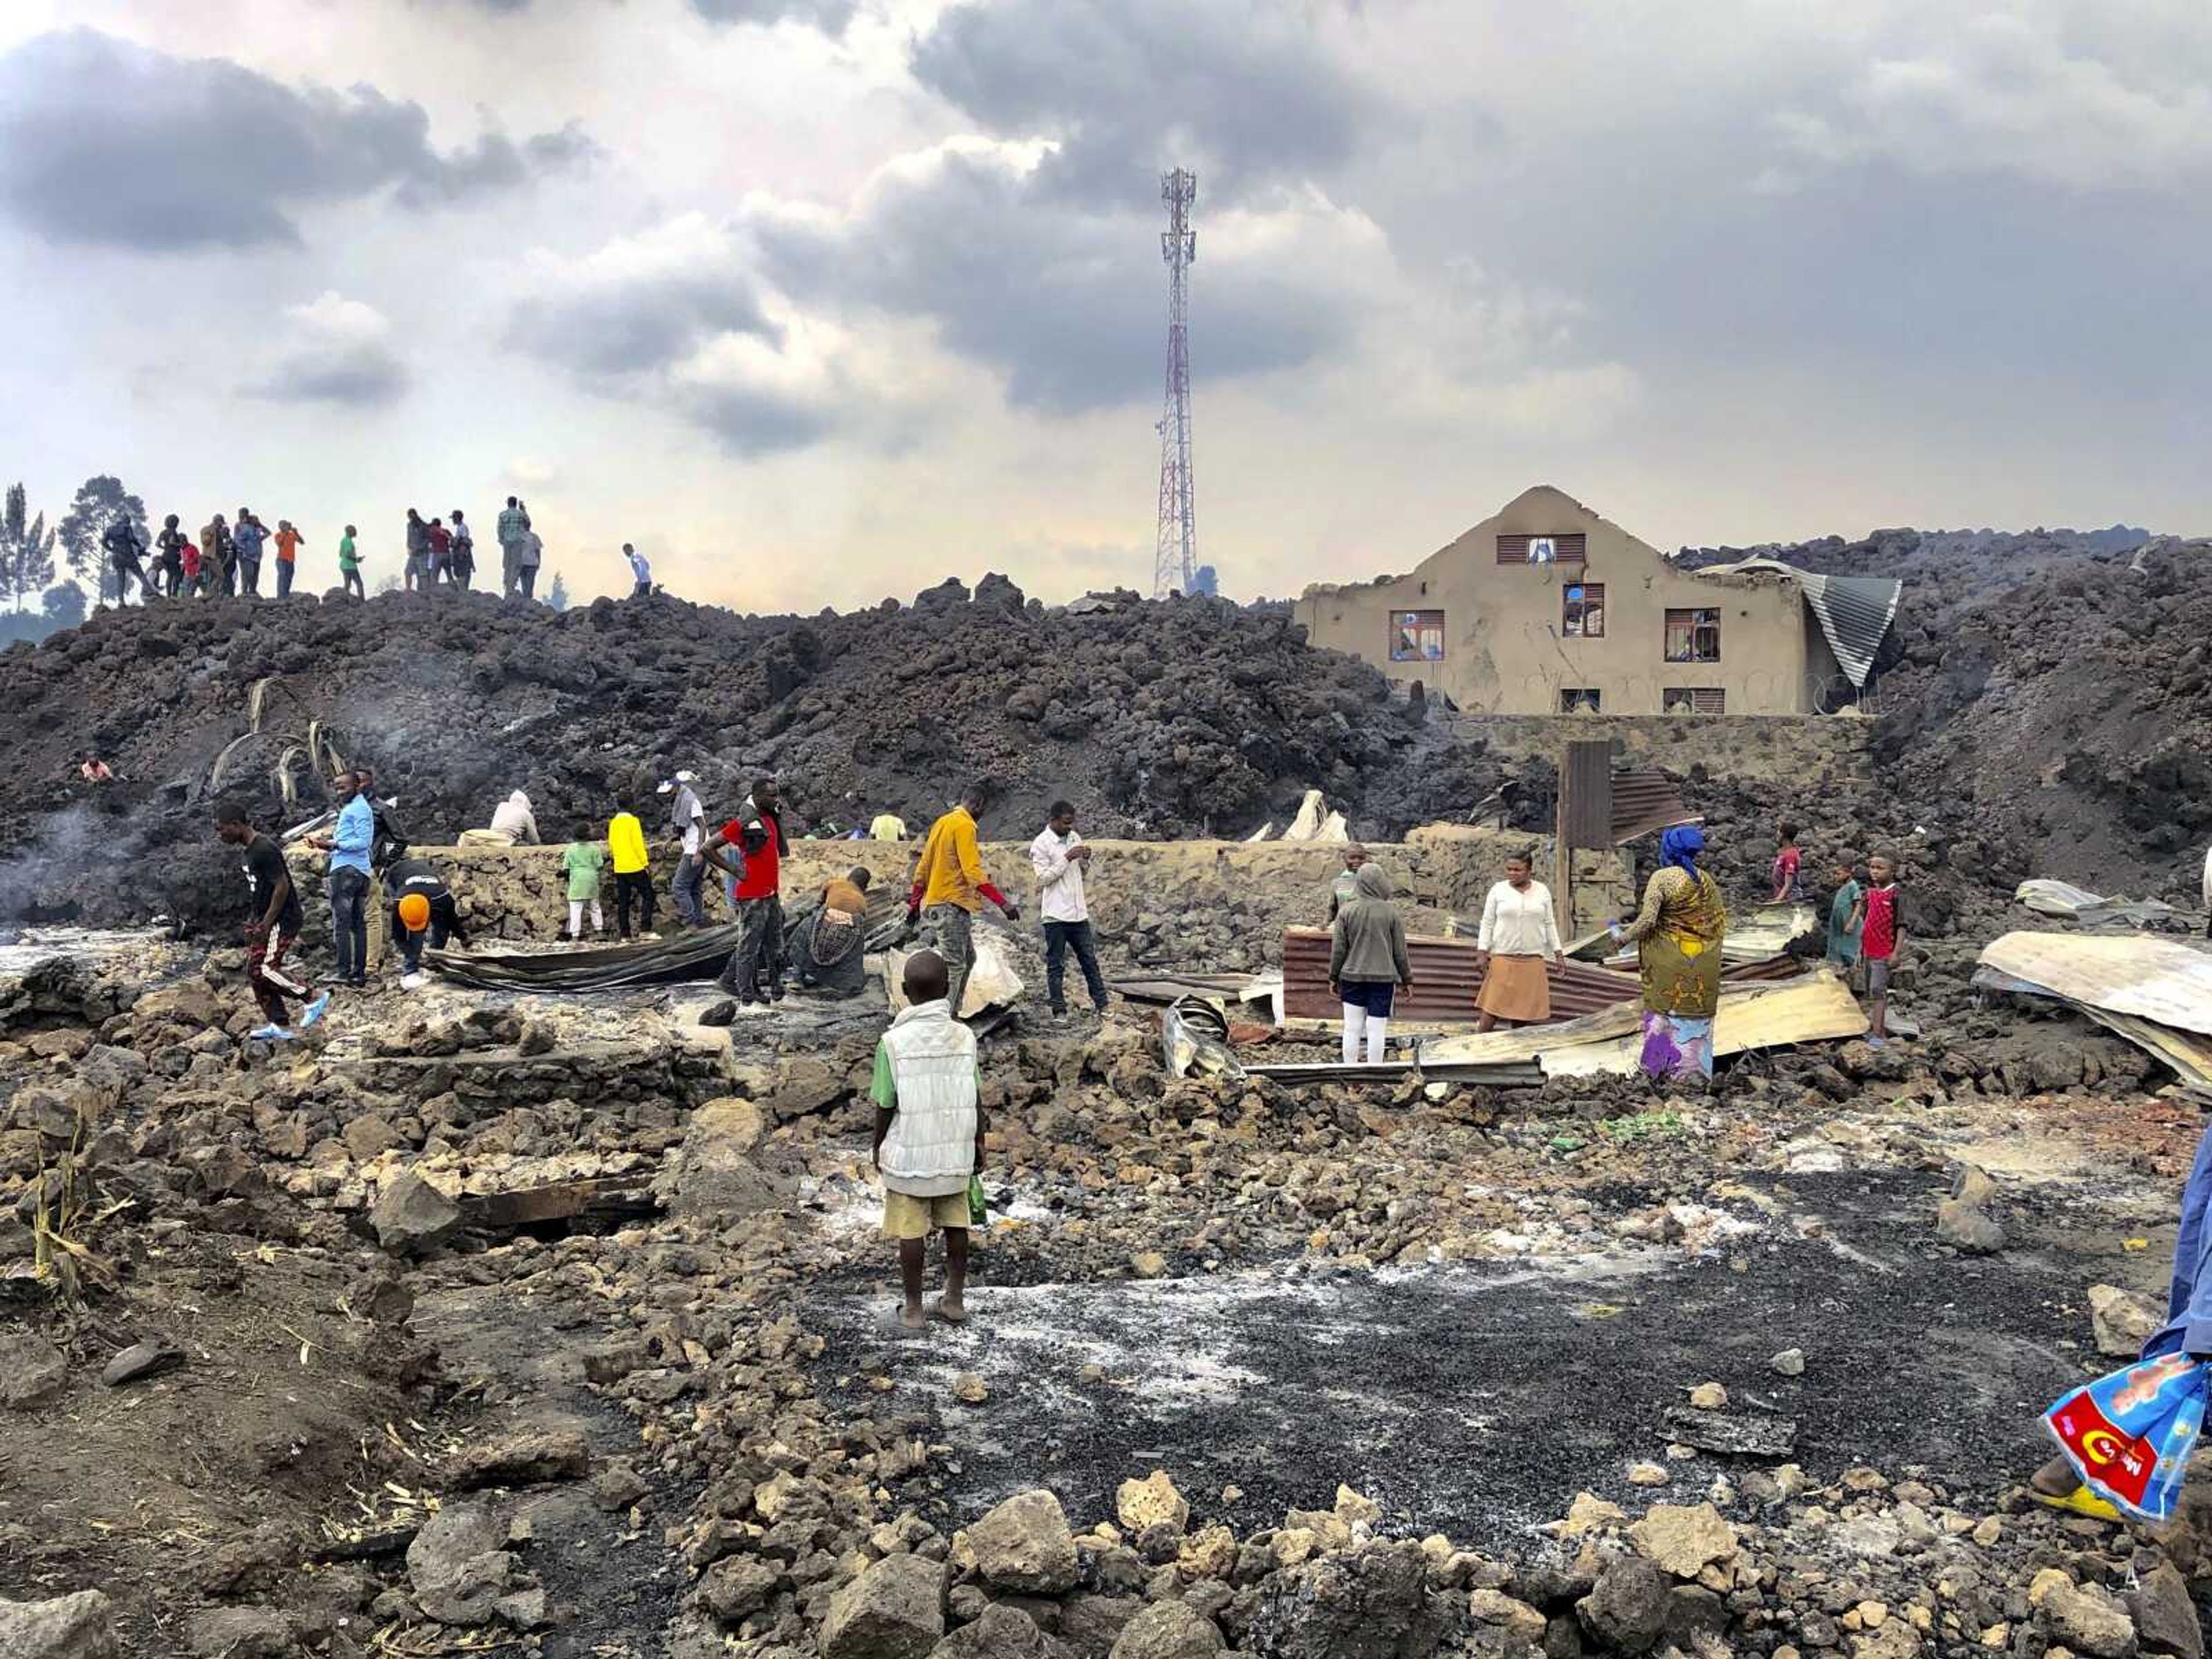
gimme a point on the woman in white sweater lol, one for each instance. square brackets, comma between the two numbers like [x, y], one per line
[1520, 938]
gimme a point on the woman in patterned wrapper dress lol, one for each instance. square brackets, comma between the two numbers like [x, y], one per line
[1678, 935]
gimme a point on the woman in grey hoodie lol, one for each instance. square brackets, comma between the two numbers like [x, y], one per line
[1367, 964]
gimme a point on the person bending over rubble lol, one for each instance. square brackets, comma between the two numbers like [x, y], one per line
[950, 887]
[422, 911]
[756, 833]
[1678, 933]
[272, 926]
[829, 941]
[512, 824]
[1367, 964]
[929, 1136]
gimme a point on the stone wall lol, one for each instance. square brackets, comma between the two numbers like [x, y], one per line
[1172, 892]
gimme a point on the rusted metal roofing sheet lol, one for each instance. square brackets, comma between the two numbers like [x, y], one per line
[1644, 803]
[1586, 794]
[1445, 981]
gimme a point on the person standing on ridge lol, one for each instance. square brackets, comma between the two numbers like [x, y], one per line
[441, 553]
[528, 558]
[950, 887]
[246, 537]
[349, 565]
[640, 573]
[512, 525]
[462, 561]
[215, 557]
[120, 540]
[287, 556]
[172, 544]
[415, 577]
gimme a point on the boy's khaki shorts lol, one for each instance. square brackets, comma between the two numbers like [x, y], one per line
[906, 1216]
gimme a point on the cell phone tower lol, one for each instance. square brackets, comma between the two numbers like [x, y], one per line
[1174, 564]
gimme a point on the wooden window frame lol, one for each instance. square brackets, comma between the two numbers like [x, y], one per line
[1575, 615]
[1421, 622]
[1700, 700]
[1572, 547]
[1687, 616]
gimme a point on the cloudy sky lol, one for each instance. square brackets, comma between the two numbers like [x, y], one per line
[820, 300]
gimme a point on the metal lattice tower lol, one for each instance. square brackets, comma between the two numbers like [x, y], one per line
[1176, 562]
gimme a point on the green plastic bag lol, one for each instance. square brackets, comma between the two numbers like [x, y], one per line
[979, 1212]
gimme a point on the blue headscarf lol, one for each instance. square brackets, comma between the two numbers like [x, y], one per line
[1681, 846]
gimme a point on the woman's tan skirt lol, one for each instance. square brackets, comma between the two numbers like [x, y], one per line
[1515, 988]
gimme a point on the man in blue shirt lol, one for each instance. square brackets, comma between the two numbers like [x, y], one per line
[246, 538]
[349, 881]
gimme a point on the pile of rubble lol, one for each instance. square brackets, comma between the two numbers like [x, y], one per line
[1157, 720]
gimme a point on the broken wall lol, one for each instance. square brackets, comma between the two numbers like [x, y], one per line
[1797, 748]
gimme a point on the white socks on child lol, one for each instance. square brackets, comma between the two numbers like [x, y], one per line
[1357, 1021]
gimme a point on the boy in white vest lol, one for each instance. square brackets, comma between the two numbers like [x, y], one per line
[929, 1135]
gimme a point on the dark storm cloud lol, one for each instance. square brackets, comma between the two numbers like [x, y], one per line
[1244, 96]
[107, 143]
[1066, 302]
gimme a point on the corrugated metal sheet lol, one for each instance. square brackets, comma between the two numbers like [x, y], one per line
[2160, 980]
[1854, 612]
[1445, 981]
[1643, 804]
[1586, 810]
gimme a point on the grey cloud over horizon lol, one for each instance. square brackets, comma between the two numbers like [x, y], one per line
[1246, 96]
[105, 142]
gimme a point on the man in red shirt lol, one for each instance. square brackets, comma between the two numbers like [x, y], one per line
[1881, 929]
[442, 554]
[757, 836]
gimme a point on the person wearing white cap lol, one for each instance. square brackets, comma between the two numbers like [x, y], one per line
[687, 821]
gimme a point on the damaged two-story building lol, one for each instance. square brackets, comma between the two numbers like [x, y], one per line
[1547, 608]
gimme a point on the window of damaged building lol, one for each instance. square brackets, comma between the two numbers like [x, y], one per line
[1693, 635]
[1581, 610]
[1543, 549]
[1693, 700]
[1417, 637]
[1580, 699]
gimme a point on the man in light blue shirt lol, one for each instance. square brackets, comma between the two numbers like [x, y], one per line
[349, 881]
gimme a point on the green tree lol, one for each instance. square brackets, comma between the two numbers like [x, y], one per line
[63, 605]
[26, 549]
[556, 597]
[100, 501]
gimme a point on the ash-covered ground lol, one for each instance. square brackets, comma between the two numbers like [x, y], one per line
[474, 1324]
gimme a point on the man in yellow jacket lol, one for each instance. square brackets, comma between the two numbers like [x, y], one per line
[950, 888]
[626, 849]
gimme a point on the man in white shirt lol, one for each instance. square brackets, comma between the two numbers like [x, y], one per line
[1060, 858]
[687, 821]
[640, 573]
